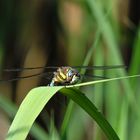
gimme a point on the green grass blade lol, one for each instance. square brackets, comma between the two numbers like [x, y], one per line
[101, 81]
[8, 106]
[135, 60]
[91, 50]
[29, 110]
[98, 96]
[89, 107]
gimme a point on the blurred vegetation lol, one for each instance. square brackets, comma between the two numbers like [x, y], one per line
[56, 33]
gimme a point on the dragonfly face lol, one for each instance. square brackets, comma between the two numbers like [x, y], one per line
[65, 76]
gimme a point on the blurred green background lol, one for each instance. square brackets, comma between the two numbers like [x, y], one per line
[72, 32]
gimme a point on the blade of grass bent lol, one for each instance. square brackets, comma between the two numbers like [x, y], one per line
[34, 103]
[89, 107]
[63, 127]
[29, 110]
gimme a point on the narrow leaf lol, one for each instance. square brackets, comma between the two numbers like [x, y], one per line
[29, 110]
[89, 107]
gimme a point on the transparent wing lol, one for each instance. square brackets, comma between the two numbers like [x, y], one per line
[102, 67]
[76, 67]
[47, 75]
[30, 68]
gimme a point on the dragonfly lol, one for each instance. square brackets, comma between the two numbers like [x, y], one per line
[61, 75]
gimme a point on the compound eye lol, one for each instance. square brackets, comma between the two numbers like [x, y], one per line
[70, 73]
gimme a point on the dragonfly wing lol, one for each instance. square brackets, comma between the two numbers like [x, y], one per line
[46, 75]
[101, 67]
[77, 67]
[30, 68]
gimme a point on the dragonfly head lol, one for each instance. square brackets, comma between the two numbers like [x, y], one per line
[73, 76]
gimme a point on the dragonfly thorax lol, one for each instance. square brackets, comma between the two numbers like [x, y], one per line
[65, 76]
